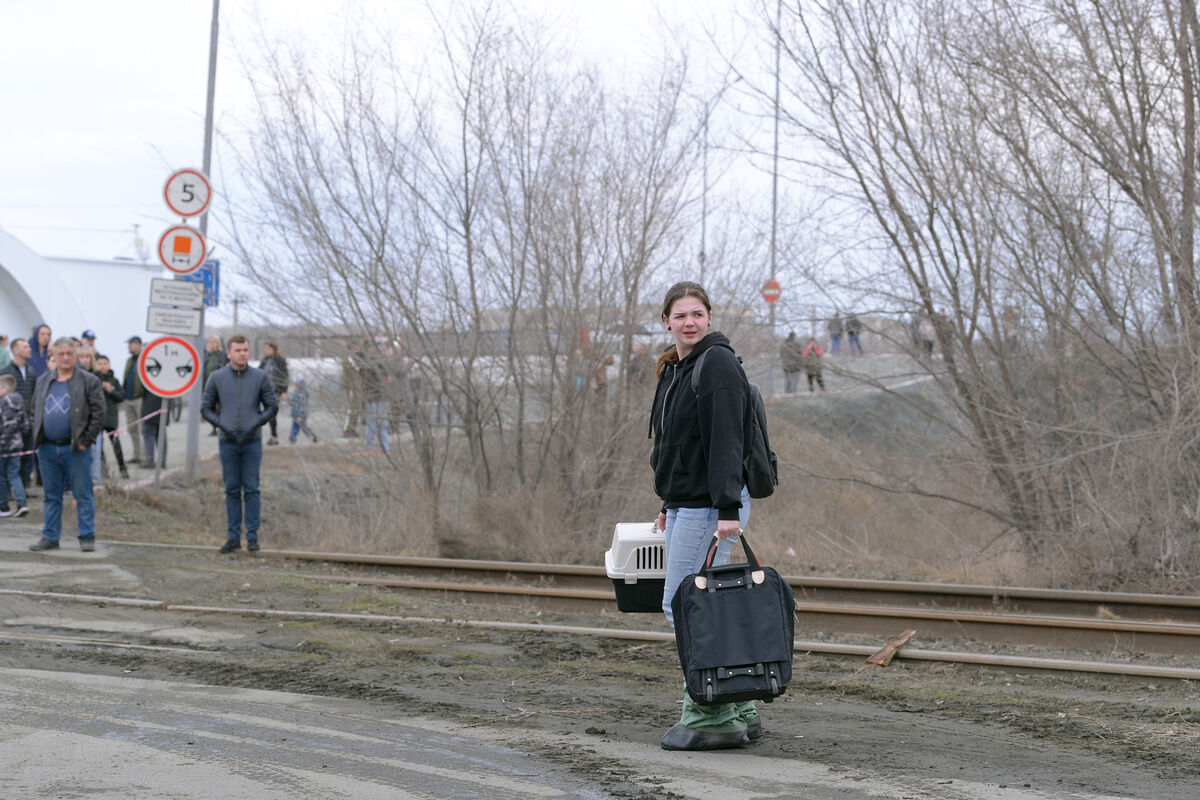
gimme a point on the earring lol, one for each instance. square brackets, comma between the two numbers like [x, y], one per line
[668, 327]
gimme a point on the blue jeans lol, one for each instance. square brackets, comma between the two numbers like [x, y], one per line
[56, 464]
[300, 424]
[239, 466]
[855, 344]
[150, 442]
[835, 345]
[688, 537]
[10, 475]
[377, 426]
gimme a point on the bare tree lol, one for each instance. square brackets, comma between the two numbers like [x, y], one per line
[1030, 170]
[490, 225]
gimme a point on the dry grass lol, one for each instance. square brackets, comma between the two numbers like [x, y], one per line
[327, 497]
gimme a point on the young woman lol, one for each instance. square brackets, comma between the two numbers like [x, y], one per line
[697, 461]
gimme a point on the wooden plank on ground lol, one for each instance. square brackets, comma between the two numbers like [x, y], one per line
[885, 656]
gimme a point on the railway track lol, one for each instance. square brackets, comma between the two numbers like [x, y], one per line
[1119, 623]
[800, 645]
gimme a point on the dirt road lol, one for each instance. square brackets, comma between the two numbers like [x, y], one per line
[571, 716]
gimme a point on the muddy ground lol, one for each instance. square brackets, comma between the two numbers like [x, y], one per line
[1053, 734]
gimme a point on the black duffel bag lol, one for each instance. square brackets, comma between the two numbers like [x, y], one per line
[734, 627]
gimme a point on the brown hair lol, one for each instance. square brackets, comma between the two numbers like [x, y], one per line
[678, 292]
[237, 338]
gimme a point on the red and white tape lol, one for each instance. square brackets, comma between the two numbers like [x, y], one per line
[106, 433]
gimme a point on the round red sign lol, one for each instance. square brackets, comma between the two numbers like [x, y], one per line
[187, 192]
[771, 290]
[168, 366]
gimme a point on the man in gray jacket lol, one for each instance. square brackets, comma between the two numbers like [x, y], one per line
[68, 416]
[239, 400]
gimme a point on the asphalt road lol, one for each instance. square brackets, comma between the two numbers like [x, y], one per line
[70, 735]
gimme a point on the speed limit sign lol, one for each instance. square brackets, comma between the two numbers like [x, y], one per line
[187, 192]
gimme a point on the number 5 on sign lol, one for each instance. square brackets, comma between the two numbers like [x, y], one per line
[187, 192]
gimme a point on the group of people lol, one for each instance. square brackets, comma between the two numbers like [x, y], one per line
[57, 397]
[851, 327]
[926, 331]
[60, 401]
[377, 380]
[797, 356]
[806, 357]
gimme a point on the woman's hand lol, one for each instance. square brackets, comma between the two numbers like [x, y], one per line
[728, 528]
[662, 521]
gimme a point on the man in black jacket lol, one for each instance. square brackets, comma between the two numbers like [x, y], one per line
[68, 416]
[239, 400]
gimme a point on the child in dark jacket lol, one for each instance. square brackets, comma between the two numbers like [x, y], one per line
[14, 427]
[298, 403]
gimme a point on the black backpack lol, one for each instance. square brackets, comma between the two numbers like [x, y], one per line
[760, 465]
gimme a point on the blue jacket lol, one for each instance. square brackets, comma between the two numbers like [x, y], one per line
[239, 403]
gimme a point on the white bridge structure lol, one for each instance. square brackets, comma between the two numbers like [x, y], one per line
[74, 294]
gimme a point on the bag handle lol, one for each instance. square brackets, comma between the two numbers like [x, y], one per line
[750, 557]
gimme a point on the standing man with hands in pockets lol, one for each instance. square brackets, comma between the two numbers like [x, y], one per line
[239, 400]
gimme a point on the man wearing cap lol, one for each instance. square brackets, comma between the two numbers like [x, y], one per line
[88, 338]
[68, 415]
[131, 382]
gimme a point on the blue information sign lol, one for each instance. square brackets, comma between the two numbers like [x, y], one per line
[210, 275]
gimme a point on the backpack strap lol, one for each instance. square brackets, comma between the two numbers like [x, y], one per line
[696, 370]
[700, 363]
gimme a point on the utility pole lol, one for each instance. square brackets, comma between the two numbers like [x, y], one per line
[704, 195]
[197, 391]
[775, 188]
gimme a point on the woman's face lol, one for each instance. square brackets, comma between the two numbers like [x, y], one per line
[688, 323]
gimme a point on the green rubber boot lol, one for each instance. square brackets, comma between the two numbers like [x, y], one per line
[706, 727]
[748, 713]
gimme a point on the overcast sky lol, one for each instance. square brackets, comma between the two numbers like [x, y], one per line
[102, 101]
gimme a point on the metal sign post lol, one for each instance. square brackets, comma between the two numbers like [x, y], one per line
[193, 401]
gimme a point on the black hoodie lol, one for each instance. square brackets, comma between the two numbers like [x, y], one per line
[698, 435]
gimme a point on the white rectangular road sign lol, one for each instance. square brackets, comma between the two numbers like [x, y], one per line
[182, 321]
[166, 292]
